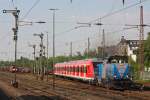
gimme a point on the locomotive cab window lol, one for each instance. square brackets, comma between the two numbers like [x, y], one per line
[95, 65]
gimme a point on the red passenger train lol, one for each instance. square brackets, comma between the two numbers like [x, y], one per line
[80, 69]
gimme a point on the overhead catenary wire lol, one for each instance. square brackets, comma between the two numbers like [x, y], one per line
[29, 11]
[74, 28]
[107, 15]
[93, 37]
[117, 11]
[110, 14]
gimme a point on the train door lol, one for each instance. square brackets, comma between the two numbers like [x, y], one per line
[100, 71]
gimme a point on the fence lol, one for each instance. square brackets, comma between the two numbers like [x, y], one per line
[146, 76]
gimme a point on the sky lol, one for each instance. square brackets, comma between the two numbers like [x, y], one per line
[66, 19]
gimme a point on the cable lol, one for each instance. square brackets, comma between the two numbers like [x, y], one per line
[28, 12]
[107, 15]
[115, 12]
[77, 41]
[69, 30]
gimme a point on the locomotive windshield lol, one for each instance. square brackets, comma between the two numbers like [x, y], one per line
[117, 59]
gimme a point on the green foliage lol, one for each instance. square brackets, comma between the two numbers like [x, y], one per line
[134, 68]
[25, 62]
[147, 51]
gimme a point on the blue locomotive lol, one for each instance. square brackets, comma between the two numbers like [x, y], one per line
[115, 73]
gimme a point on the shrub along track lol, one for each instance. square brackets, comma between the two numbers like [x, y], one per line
[74, 90]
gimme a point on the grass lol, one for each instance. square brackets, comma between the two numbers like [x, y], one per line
[143, 81]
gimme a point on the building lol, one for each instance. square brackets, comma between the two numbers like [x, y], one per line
[128, 48]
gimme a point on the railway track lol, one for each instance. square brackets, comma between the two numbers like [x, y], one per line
[70, 90]
[34, 90]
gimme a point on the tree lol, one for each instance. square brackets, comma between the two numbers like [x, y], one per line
[147, 51]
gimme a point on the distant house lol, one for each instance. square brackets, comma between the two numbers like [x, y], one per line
[128, 48]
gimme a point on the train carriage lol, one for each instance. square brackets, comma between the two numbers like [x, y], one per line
[81, 69]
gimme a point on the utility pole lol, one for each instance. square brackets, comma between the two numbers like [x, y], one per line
[103, 44]
[15, 30]
[141, 42]
[71, 49]
[99, 39]
[88, 48]
[53, 46]
[43, 60]
[47, 57]
[141, 45]
[34, 65]
[41, 54]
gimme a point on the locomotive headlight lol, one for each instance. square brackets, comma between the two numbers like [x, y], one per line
[127, 76]
[115, 76]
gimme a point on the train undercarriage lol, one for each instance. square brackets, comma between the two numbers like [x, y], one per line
[123, 84]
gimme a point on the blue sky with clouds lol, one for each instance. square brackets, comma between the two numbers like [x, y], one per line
[66, 19]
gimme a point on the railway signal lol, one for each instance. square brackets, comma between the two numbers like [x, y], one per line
[23, 23]
[15, 13]
[34, 66]
[41, 54]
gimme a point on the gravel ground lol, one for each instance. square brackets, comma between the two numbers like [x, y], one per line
[31, 89]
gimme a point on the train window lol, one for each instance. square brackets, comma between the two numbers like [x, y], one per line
[67, 68]
[85, 69]
[73, 69]
[78, 69]
[70, 68]
[81, 69]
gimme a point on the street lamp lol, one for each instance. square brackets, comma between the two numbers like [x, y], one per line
[53, 45]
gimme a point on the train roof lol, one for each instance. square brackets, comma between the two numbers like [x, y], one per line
[82, 61]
